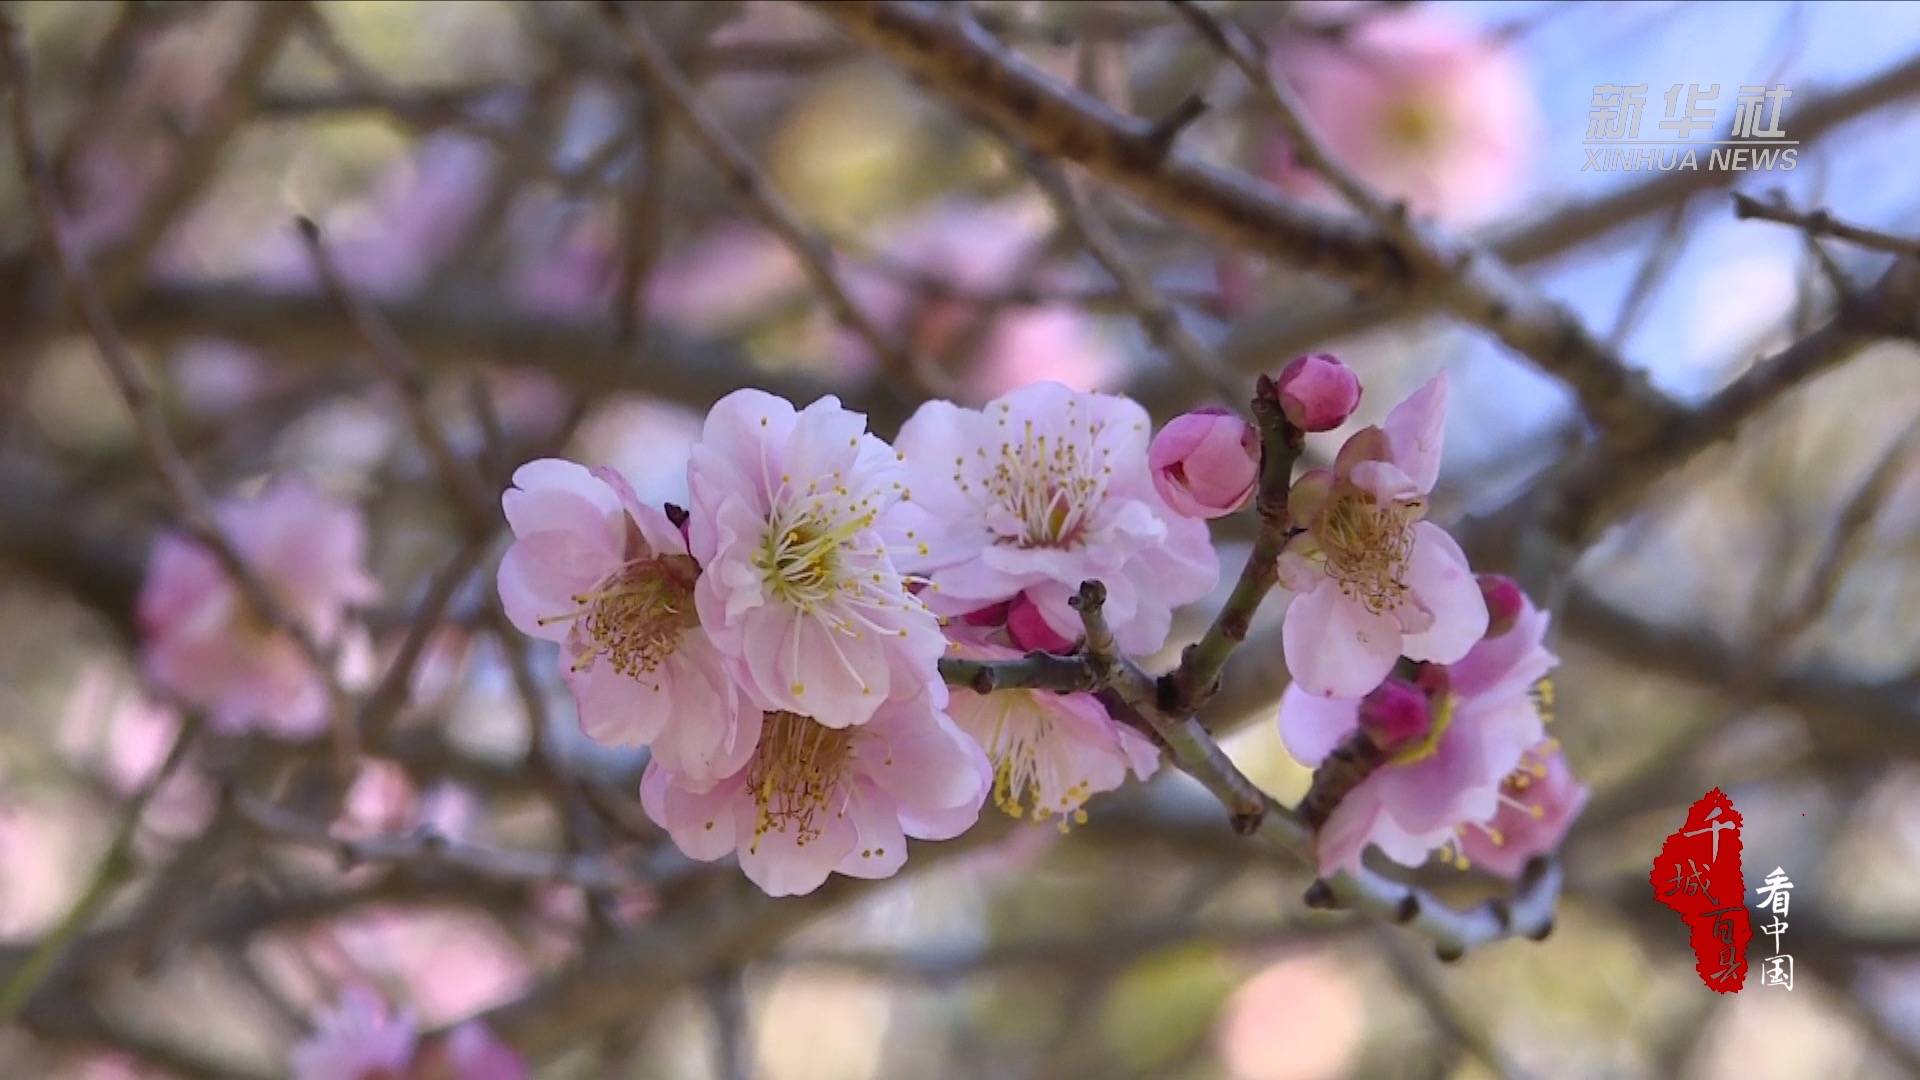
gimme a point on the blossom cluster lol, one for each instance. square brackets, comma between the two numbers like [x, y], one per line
[777, 644]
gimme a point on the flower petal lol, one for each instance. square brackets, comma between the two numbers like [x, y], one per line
[1438, 575]
[1311, 725]
[1416, 428]
[1335, 647]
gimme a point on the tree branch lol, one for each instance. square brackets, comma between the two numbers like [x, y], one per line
[976, 72]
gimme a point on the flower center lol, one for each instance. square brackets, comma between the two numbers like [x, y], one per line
[1368, 545]
[1415, 125]
[801, 558]
[796, 774]
[635, 616]
[1048, 485]
[1021, 728]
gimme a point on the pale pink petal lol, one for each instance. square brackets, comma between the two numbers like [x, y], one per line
[1438, 575]
[1507, 664]
[1416, 428]
[782, 864]
[555, 494]
[1311, 725]
[1335, 647]
[704, 825]
[539, 578]
[619, 711]
[1341, 841]
[882, 848]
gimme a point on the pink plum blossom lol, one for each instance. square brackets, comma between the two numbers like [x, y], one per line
[1205, 462]
[791, 515]
[358, 1039]
[1041, 490]
[1420, 105]
[1317, 392]
[610, 580]
[1539, 801]
[1050, 752]
[815, 800]
[1443, 776]
[1372, 580]
[206, 645]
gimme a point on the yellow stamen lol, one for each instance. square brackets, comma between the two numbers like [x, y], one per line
[1367, 544]
[796, 776]
[634, 617]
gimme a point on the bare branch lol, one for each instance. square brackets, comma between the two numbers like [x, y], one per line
[978, 73]
[1822, 223]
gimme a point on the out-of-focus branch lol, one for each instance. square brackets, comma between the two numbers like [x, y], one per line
[1563, 229]
[430, 850]
[1453, 1021]
[1110, 949]
[1846, 541]
[654, 68]
[197, 156]
[1822, 223]
[460, 478]
[976, 72]
[1599, 487]
[446, 328]
[1250, 56]
[390, 694]
[1156, 314]
[189, 500]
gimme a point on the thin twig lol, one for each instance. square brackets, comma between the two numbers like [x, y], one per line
[976, 72]
[471, 498]
[1822, 223]
[1156, 314]
[657, 71]
[1250, 56]
[1193, 682]
[430, 850]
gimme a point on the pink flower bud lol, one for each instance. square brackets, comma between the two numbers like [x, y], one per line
[1504, 600]
[1205, 463]
[1030, 630]
[1318, 392]
[1395, 714]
